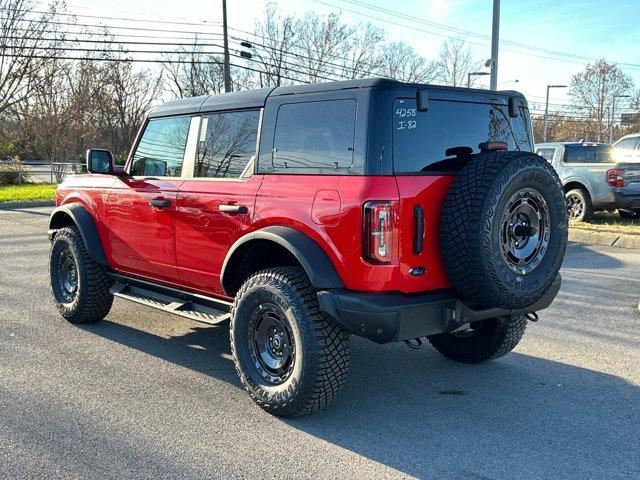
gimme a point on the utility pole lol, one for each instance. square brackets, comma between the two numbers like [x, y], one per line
[227, 69]
[546, 110]
[613, 110]
[495, 39]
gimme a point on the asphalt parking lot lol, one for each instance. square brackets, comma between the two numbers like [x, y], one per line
[147, 395]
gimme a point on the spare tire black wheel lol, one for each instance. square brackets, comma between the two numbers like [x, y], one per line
[503, 230]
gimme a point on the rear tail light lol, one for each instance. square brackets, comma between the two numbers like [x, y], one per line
[615, 177]
[378, 231]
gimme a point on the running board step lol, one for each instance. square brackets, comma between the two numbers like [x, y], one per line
[171, 304]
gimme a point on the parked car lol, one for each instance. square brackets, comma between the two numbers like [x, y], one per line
[593, 179]
[304, 214]
[627, 149]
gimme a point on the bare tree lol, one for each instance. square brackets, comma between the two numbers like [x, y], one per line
[25, 43]
[634, 106]
[594, 89]
[362, 58]
[276, 38]
[455, 60]
[79, 104]
[191, 71]
[398, 60]
[322, 43]
[124, 102]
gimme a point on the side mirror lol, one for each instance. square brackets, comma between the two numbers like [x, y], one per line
[99, 161]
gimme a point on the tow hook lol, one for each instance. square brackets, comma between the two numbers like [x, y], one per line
[415, 343]
[531, 316]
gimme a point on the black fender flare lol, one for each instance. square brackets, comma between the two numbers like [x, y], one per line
[306, 251]
[87, 227]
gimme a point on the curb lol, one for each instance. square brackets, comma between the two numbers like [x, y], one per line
[34, 204]
[604, 238]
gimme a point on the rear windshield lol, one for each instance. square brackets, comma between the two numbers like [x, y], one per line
[588, 154]
[420, 139]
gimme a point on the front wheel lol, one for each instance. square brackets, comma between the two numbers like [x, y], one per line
[79, 285]
[483, 340]
[291, 358]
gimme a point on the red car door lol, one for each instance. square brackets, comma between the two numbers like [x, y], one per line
[141, 208]
[215, 207]
[141, 227]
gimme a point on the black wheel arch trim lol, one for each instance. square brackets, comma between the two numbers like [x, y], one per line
[578, 183]
[305, 250]
[87, 227]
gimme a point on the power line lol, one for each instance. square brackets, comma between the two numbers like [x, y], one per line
[68, 24]
[114, 27]
[470, 33]
[630, 66]
[126, 19]
[78, 49]
[118, 42]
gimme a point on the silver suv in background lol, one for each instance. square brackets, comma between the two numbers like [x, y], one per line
[627, 149]
[594, 179]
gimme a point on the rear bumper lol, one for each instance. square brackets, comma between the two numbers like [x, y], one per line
[391, 317]
[614, 200]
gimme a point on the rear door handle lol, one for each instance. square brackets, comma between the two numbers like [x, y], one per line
[418, 238]
[159, 203]
[233, 209]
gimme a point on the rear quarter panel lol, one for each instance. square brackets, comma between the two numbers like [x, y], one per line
[308, 204]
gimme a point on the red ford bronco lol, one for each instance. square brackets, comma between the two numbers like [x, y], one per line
[305, 214]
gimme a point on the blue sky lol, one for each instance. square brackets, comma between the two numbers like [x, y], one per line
[578, 28]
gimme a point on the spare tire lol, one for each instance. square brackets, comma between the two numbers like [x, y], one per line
[503, 230]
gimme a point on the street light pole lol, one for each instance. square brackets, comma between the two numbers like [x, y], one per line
[613, 109]
[495, 38]
[472, 74]
[546, 110]
[227, 67]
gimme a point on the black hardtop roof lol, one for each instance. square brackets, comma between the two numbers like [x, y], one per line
[257, 98]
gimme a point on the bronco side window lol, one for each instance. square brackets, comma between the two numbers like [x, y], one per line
[317, 135]
[227, 144]
[160, 151]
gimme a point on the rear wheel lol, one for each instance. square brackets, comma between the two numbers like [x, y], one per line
[579, 206]
[629, 214]
[291, 358]
[79, 285]
[484, 340]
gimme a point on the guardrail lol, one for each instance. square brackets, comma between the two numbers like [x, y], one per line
[51, 172]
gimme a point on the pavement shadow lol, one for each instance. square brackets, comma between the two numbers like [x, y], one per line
[203, 349]
[586, 257]
[419, 413]
[518, 417]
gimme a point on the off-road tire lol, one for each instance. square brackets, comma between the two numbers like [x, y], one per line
[471, 226]
[583, 197]
[92, 300]
[494, 338]
[629, 214]
[321, 346]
